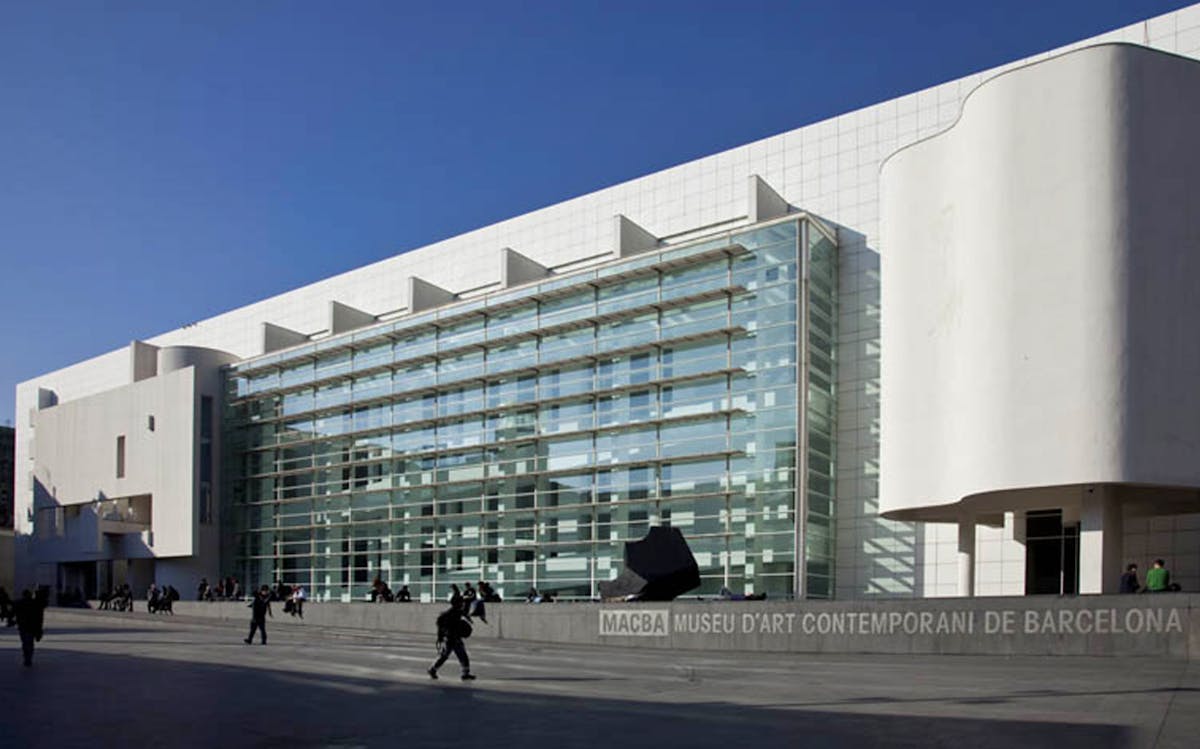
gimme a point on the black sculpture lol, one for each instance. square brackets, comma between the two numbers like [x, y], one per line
[659, 567]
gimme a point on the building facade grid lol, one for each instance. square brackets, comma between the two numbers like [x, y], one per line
[524, 437]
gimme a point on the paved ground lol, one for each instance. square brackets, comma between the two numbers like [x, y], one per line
[114, 680]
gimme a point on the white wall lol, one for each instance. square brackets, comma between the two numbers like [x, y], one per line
[1042, 283]
[76, 457]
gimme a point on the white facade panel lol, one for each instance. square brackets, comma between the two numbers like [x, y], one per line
[1041, 275]
[77, 462]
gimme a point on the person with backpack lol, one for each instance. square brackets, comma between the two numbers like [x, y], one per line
[452, 629]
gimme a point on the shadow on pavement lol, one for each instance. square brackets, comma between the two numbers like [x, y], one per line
[78, 699]
[59, 631]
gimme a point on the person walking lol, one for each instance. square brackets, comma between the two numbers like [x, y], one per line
[30, 614]
[452, 629]
[260, 607]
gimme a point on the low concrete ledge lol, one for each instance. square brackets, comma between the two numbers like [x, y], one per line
[1140, 625]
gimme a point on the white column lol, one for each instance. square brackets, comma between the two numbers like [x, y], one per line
[1100, 540]
[966, 555]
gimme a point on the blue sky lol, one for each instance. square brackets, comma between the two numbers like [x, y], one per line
[163, 162]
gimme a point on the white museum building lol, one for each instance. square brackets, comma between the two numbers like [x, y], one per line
[940, 346]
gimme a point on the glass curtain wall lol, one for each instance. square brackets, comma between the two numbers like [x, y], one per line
[524, 437]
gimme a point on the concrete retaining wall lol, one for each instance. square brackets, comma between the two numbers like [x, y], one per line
[1150, 625]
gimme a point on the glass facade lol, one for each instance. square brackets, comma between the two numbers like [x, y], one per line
[523, 437]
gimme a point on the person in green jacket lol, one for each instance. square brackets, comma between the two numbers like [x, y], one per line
[1158, 580]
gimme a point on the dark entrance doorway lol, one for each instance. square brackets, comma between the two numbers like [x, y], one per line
[77, 579]
[1051, 554]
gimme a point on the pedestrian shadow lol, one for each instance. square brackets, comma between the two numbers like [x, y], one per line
[61, 631]
[559, 678]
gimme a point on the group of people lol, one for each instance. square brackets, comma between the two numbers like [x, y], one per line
[293, 599]
[1158, 579]
[227, 589]
[536, 596]
[119, 598]
[161, 600]
[381, 593]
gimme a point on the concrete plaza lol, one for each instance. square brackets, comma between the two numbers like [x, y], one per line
[104, 679]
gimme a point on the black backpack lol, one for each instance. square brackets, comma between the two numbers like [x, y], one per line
[452, 624]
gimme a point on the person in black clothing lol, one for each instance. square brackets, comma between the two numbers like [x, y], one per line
[452, 630]
[260, 609]
[1129, 580]
[6, 608]
[456, 599]
[29, 613]
[403, 596]
[487, 593]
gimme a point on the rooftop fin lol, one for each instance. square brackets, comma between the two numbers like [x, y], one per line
[764, 203]
[343, 317]
[276, 337]
[516, 269]
[423, 295]
[143, 361]
[46, 398]
[630, 238]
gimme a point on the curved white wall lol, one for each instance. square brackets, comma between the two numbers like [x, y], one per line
[171, 358]
[1041, 286]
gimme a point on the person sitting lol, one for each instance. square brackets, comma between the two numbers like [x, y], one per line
[1129, 580]
[404, 596]
[488, 593]
[1158, 579]
[297, 600]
